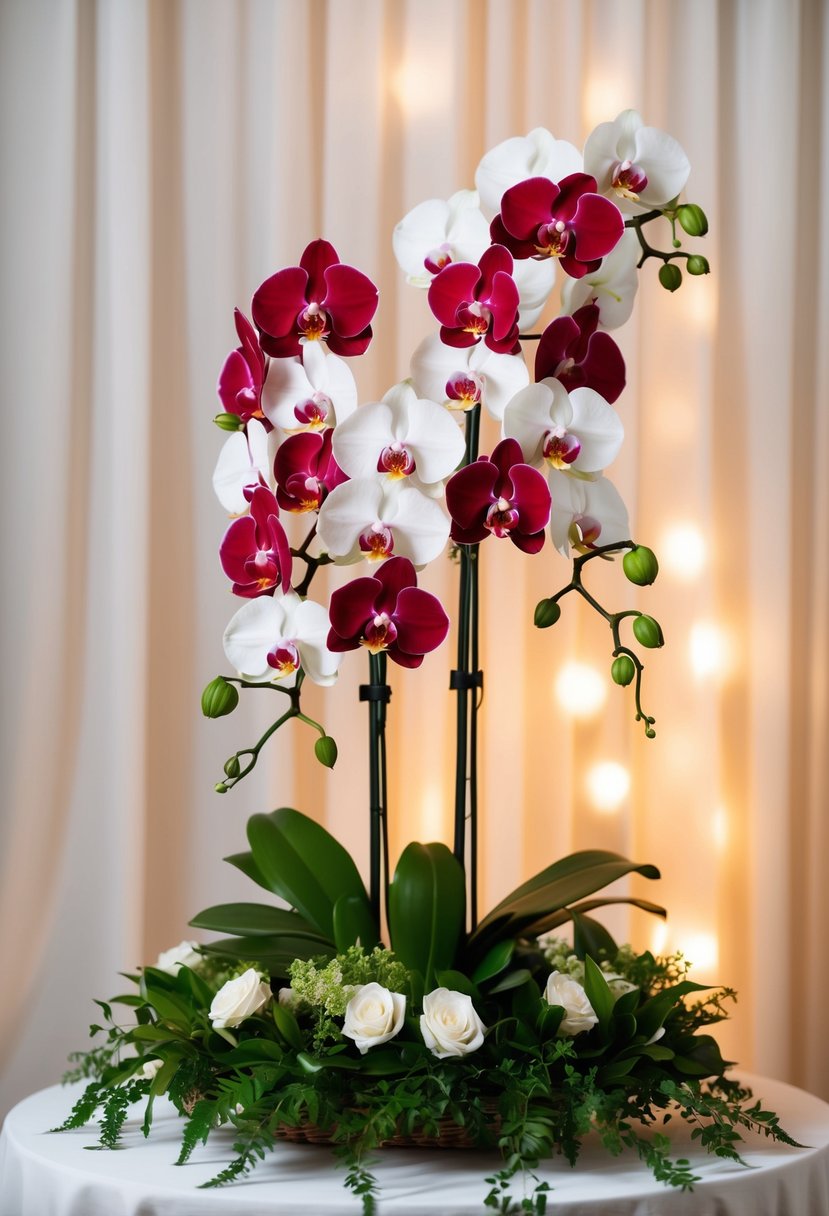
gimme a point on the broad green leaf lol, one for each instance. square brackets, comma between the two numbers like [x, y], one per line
[614, 1071]
[245, 863]
[598, 992]
[627, 1003]
[427, 902]
[655, 1051]
[193, 988]
[591, 937]
[253, 920]
[304, 864]
[275, 953]
[253, 1051]
[313, 1064]
[152, 1034]
[288, 1026]
[354, 923]
[494, 961]
[653, 1013]
[513, 979]
[562, 915]
[548, 1020]
[383, 1062]
[456, 981]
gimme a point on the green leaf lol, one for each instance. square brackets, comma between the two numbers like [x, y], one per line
[610, 1073]
[253, 920]
[598, 992]
[513, 979]
[591, 937]
[383, 1062]
[304, 864]
[253, 1051]
[245, 863]
[314, 1064]
[560, 917]
[427, 903]
[494, 961]
[354, 923]
[653, 1013]
[275, 953]
[288, 1026]
[456, 981]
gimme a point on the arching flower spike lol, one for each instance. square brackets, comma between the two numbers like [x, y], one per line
[499, 495]
[573, 353]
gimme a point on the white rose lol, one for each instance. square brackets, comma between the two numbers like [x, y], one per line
[579, 1014]
[449, 1024]
[373, 1016]
[239, 999]
[183, 955]
[149, 1068]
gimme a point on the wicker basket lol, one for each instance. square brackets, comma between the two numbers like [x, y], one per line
[450, 1134]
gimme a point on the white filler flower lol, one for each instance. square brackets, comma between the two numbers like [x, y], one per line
[449, 1024]
[239, 999]
[373, 1016]
[579, 1014]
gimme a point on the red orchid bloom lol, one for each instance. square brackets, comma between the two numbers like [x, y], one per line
[572, 351]
[255, 553]
[387, 612]
[500, 495]
[319, 299]
[243, 374]
[306, 471]
[567, 220]
[473, 302]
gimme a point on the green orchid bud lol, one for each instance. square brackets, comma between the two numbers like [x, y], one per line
[640, 566]
[219, 698]
[546, 613]
[650, 733]
[232, 767]
[325, 750]
[693, 219]
[229, 422]
[648, 632]
[670, 276]
[622, 670]
[697, 264]
[220, 787]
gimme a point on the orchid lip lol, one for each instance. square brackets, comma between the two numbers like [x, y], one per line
[284, 658]
[560, 449]
[552, 239]
[395, 461]
[314, 411]
[463, 389]
[377, 542]
[629, 179]
[380, 633]
[501, 518]
[312, 322]
[437, 258]
[584, 533]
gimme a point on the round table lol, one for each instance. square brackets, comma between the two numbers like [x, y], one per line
[45, 1174]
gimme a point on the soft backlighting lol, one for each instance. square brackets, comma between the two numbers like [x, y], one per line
[719, 828]
[580, 689]
[422, 88]
[608, 785]
[683, 551]
[702, 950]
[605, 96]
[432, 812]
[709, 652]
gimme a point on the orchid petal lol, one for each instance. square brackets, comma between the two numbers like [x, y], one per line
[422, 624]
[529, 416]
[598, 428]
[454, 285]
[598, 225]
[528, 205]
[535, 280]
[350, 607]
[472, 486]
[316, 259]
[665, 163]
[419, 524]
[359, 440]
[434, 439]
[310, 623]
[532, 497]
[234, 377]
[287, 384]
[350, 299]
[596, 498]
[238, 543]
[434, 363]
[612, 287]
[250, 636]
[278, 301]
[537, 154]
[393, 576]
[243, 461]
[347, 510]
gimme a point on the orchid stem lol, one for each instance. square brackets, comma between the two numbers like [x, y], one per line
[376, 695]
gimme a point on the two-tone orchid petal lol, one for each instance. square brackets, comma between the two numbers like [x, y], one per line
[567, 220]
[538, 154]
[499, 495]
[473, 302]
[462, 377]
[577, 431]
[255, 553]
[612, 287]
[309, 391]
[587, 513]
[387, 613]
[639, 167]
[269, 639]
[402, 436]
[244, 461]
[320, 300]
[368, 518]
[306, 471]
[436, 233]
[570, 350]
[243, 373]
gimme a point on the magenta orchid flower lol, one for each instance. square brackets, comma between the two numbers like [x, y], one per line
[306, 471]
[321, 299]
[243, 373]
[473, 302]
[255, 553]
[573, 352]
[499, 495]
[567, 220]
[388, 613]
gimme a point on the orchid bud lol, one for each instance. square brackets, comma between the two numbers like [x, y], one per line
[229, 422]
[219, 698]
[648, 631]
[697, 264]
[640, 566]
[670, 276]
[233, 767]
[650, 733]
[546, 614]
[325, 750]
[220, 787]
[622, 670]
[693, 219]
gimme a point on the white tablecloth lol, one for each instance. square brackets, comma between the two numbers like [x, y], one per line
[54, 1175]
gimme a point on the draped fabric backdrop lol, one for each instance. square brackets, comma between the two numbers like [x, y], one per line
[159, 160]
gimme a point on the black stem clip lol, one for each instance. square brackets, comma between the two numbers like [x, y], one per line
[466, 679]
[375, 692]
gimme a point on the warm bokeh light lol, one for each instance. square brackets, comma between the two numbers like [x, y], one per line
[701, 950]
[719, 827]
[708, 650]
[683, 551]
[432, 813]
[608, 785]
[605, 96]
[659, 937]
[422, 88]
[699, 302]
[581, 690]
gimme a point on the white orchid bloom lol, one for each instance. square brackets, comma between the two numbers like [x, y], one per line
[638, 167]
[576, 430]
[244, 460]
[534, 280]
[538, 154]
[612, 288]
[587, 513]
[460, 377]
[367, 518]
[402, 436]
[270, 638]
[438, 232]
[309, 391]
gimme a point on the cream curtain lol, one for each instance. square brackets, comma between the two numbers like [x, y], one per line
[158, 161]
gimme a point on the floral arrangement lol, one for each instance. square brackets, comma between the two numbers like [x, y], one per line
[301, 1020]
